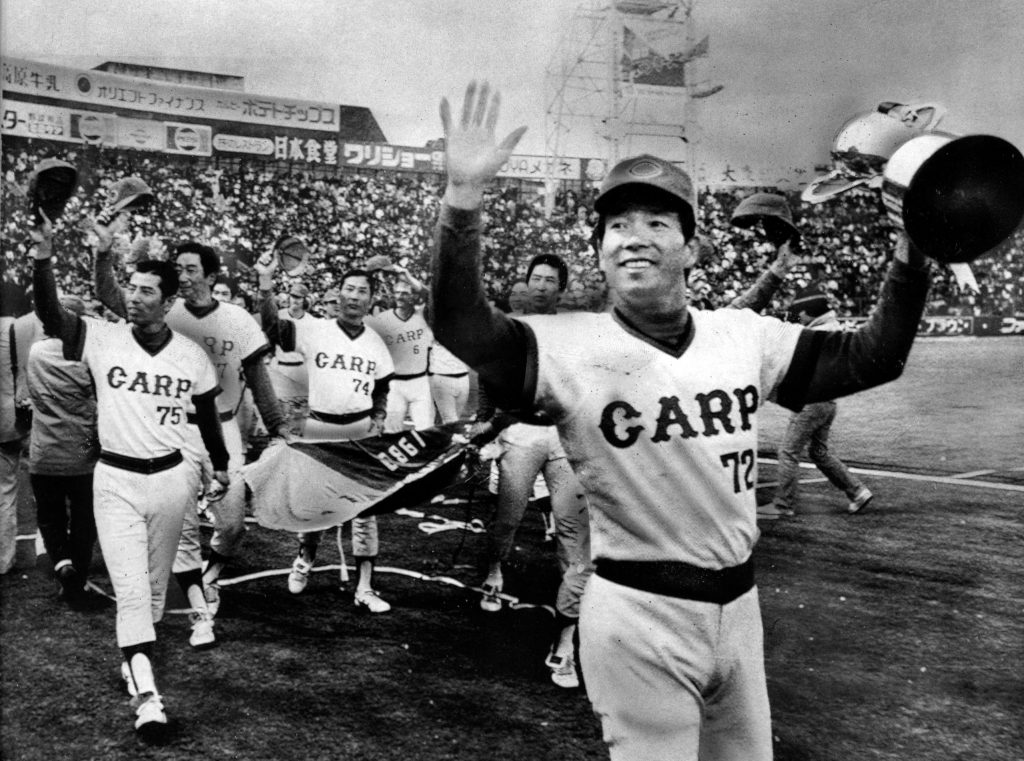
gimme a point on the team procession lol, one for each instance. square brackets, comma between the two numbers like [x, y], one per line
[158, 421]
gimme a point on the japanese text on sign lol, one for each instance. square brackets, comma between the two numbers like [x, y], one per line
[114, 90]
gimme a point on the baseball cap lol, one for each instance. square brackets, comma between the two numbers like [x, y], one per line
[650, 171]
[811, 300]
[50, 187]
[298, 289]
[129, 192]
[771, 210]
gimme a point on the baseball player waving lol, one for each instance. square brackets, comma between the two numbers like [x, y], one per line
[656, 406]
[147, 380]
[236, 346]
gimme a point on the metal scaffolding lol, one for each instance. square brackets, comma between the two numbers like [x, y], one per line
[622, 81]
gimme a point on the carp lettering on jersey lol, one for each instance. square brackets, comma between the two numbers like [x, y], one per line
[351, 363]
[716, 412]
[408, 336]
[156, 384]
[218, 351]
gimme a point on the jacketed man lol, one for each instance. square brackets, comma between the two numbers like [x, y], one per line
[408, 338]
[147, 378]
[656, 405]
[529, 448]
[236, 346]
[63, 449]
[288, 368]
[809, 428]
[349, 370]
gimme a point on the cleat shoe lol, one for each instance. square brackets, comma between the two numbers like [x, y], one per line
[563, 671]
[126, 678]
[299, 576]
[771, 512]
[211, 593]
[860, 501]
[150, 717]
[371, 601]
[202, 631]
[490, 601]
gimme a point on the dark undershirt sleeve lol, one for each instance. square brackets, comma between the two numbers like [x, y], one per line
[107, 290]
[830, 364]
[208, 422]
[258, 380]
[57, 321]
[280, 332]
[493, 344]
[759, 295]
[379, 395]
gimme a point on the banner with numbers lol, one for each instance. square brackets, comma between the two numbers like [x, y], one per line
[315, 485]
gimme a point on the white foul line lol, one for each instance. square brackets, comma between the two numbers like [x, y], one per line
[960, 480]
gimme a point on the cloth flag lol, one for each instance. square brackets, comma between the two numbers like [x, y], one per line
[315, 485]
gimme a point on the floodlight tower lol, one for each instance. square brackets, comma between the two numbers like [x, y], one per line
[622, 78]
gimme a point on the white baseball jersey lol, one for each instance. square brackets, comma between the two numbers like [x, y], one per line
[142, 399]
[665, 444]
[342, 370]
[407, 340]
[229, 335]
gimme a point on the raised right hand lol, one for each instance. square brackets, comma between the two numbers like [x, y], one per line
[472, 158]
[105, 233]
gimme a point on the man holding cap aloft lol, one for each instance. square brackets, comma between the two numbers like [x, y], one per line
[655, 404]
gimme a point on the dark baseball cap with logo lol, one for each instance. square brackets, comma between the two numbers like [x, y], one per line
[632, 176]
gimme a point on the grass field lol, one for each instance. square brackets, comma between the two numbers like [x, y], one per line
[897, 634]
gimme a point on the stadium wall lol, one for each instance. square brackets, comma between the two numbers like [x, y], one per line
[954, 325]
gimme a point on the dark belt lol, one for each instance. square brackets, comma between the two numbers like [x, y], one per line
[675, 579]
[451, 375]
[343, 419]
[409, 377]
[139, 465]
[289, 363]
[224, 417]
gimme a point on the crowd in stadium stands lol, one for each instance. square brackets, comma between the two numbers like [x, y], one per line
[242, 208]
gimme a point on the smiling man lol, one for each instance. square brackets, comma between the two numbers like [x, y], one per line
[148, 379]
[350, 371]
[236, 346]
[656, 406]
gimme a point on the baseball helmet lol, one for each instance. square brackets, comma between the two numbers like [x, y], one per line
[959, 198]
[292, 254]
[771, 211]
[864, 143]
[50, 187]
